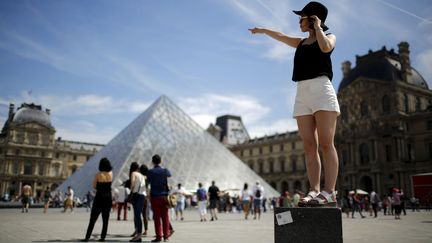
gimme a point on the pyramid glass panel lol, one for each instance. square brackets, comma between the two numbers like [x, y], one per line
[187, 150]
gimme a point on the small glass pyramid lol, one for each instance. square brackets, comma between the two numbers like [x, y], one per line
[187, 150]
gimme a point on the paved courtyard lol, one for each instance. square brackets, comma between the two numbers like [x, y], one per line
[66, 227]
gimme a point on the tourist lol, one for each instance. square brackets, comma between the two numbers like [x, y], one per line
[47, 199]
[316, 106]
[102, 201]
[213, 192]
[26, 193]
[180, 193]
[246, 200]
[202, 202]
[120, 195]
[69, 203]
[258, 195]
[137, 190]
[396, 199]
[158, 180]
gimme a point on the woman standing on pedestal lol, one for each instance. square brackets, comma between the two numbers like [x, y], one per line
[316, 106]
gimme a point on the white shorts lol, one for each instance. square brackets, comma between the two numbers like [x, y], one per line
[314, 95]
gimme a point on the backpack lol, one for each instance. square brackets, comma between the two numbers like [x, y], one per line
[201, 195]
[258, 193]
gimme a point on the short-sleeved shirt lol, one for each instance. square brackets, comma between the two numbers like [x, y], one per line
[213, 192]
[157, 178]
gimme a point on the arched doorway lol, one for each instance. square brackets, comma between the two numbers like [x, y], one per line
[366, 183]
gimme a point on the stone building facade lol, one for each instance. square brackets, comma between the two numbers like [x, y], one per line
[384, 135]
[30, 154]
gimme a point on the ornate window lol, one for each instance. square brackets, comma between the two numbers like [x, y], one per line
[28, 168]
[19, 137]
[364, 154]
[294, 164]
[15, 166]
[385, 104]
[41, 168]
[364, 109]
[56, 170]
[45, 139]
[405, 102]
[282, 164]
[33, 138]
[271, 166]
[418, 104]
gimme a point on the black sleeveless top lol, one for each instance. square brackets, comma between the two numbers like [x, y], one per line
[103, 189]
[310, 62]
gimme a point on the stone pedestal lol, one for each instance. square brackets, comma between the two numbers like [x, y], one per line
[316, 225]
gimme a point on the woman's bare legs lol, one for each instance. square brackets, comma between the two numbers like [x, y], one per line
[307, 129]
[326, 126]
[320, 129]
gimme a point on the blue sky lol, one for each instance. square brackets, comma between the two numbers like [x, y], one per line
[98, 64]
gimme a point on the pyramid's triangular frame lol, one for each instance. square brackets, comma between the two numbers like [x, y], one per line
[191, 154]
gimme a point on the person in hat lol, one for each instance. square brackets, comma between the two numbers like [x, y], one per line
[316, 106]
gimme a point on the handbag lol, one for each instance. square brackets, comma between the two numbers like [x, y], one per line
[131, 197]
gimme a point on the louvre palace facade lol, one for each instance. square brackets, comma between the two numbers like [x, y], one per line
[383, 136]
[30, 154]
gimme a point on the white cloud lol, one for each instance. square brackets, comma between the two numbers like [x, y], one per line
[206, 108]
[209, 106]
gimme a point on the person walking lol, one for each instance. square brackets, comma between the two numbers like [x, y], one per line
[202, 202]
[102, 201]
[158, 180]
[180, 194]
[356, 205]
[213, 192]
[69, 203]
[246, 200]
[47, 199]
[316, 106]
[374, 200]
[26, 192]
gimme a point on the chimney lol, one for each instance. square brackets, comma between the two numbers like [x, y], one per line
[404, 60]
[346, 68]
[11, 110]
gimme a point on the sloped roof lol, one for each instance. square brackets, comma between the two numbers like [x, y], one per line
[381, 65]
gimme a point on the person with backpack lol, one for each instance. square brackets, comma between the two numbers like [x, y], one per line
[258, 194]
[202, 202]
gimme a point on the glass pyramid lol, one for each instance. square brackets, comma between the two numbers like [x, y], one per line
[187, 150]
